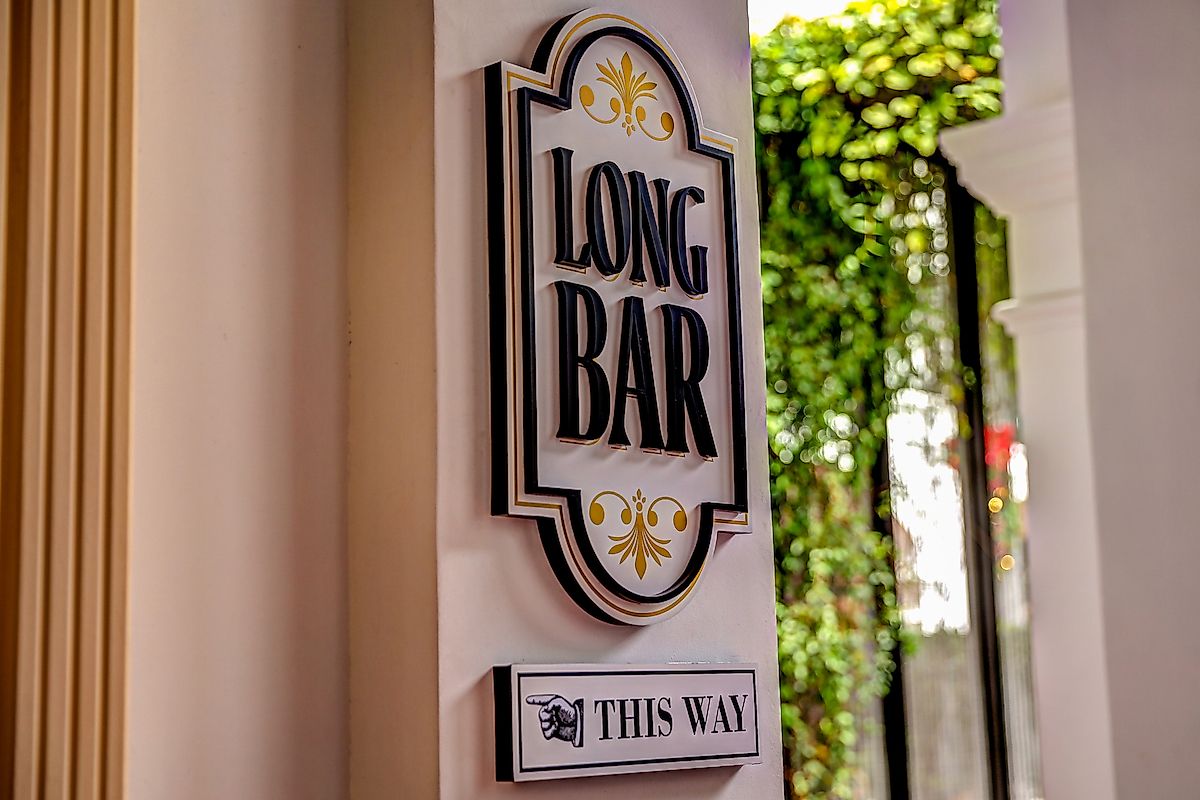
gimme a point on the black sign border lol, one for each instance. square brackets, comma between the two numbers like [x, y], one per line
[496, 96]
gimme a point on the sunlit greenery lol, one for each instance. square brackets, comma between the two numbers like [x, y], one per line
[844, 106]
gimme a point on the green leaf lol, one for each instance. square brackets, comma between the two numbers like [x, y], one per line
[878, 116]
[809, 77]
[984, 64]
[923, 32]
[958, 39]
[886, 142]
[814, 93]
[875, 66]
[899, 79]
[904, 106]
[926, 64]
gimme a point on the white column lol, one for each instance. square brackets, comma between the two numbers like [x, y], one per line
[1136, 122]
[1024, 165]
[441, 590]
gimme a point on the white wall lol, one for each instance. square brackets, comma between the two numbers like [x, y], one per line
[238, 665]
[237, 652]
[419, 461]
[498, 601]
[1137, 114]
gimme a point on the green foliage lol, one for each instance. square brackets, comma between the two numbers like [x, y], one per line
[845, 107]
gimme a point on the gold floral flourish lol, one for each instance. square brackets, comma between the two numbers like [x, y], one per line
[631, 90]
[638, 541]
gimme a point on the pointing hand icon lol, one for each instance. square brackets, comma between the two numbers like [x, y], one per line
[559, 717]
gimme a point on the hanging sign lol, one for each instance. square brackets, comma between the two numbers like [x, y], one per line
[572, 721]
[618, 409]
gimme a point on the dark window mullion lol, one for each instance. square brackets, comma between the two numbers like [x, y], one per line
[895, 722]
[979, 545]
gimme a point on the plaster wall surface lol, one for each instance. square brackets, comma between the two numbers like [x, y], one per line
[391, 474]
[1068, 630]
[1136, 125]
[237, 634]
[1034, 76]
[498, 601]
[1042, 236]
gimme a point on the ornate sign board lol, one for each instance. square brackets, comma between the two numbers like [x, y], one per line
[618, 410]
[576, 720]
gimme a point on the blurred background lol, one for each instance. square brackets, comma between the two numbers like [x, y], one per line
[899, 479]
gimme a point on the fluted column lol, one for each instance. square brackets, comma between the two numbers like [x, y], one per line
[65, 170]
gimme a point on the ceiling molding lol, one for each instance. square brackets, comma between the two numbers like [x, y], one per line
[1040, 312]
[1019, 161]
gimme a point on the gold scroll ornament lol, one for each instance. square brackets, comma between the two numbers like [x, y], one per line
[639, 541]
[627, 104]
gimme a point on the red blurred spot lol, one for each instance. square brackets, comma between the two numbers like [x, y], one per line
[997, 444]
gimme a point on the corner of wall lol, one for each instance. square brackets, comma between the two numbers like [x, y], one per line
[393, 410]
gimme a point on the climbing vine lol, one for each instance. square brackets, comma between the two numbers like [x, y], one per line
[847, 107]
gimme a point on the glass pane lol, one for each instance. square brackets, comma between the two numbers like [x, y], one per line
[1008, 485]
[943, 700]
[941, 675]
[871, 776]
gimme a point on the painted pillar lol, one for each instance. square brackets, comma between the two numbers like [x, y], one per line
[1024, 165]
[1094, 166]
[1138, 169]
[440, 589]
[237, 634]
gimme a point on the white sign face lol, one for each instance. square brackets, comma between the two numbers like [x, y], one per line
[575, 720]
[618, 408]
